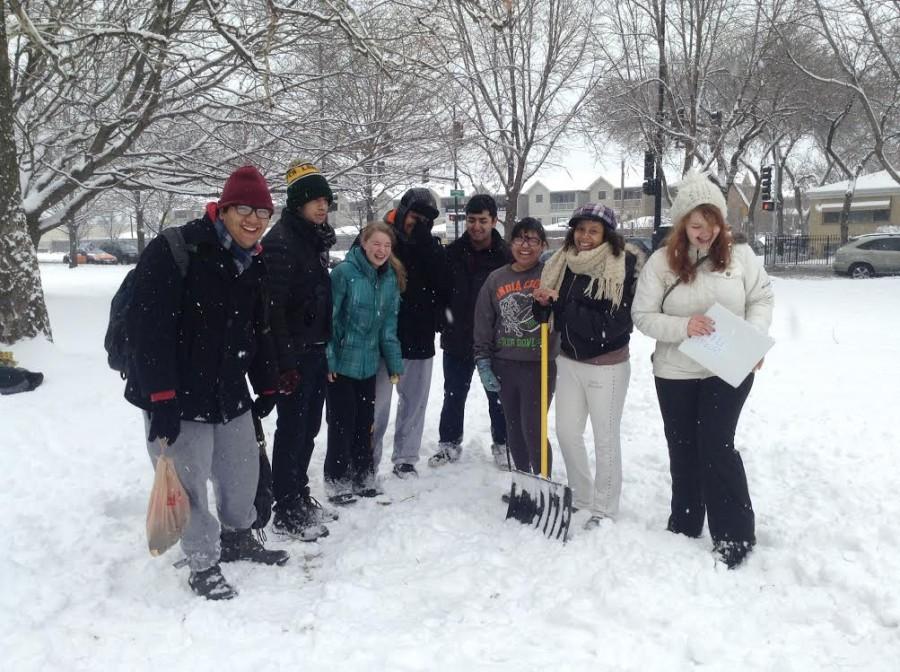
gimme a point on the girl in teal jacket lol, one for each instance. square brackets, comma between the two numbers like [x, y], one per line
[365, 290]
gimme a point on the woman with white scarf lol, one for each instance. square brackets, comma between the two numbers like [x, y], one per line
[591, 282]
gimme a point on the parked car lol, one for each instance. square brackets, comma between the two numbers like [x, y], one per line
[125, 253]
[869, 255]
[93, 255]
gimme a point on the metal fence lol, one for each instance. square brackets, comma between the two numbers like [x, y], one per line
[799, 250]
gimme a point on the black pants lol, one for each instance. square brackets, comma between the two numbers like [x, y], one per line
[351, 418]
[457, 380]
[708, 478]
[520, 392]
[299, 421]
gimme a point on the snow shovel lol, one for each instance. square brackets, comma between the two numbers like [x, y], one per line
[536, 500]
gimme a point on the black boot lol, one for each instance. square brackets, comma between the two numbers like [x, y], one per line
[210, 584]
[732, 553]
[242, 545]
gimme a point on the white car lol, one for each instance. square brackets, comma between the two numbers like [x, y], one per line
[869, 255]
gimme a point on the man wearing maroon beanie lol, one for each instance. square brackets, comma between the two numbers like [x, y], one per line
[197, 325]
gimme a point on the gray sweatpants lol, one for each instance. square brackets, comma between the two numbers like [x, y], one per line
[227, 455]
[410, 422]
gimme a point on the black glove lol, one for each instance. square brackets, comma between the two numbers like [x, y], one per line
[165, 421]
[264, 404]
[542, 313]
[421, 233]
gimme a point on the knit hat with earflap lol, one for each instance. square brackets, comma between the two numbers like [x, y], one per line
[246, 186]
[304, 184]
[697, 189]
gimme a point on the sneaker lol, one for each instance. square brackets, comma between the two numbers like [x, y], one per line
[593, 522]
[367, 491]
[210, 584]
[323, 514]
[501, 456]
[298, 524]
[732, 553]
[447, 453]
[404, 470]
[242, 545]
[342, 499]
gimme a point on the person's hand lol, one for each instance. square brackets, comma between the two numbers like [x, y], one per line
[486, 373]
[759, 364]
[700, 325]
[264, 404]
[395, 378]
[421, 233]
[331, 376]
[544, 295]
[165, 421]
[287, 381]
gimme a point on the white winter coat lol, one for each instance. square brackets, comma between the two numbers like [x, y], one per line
[743, 288]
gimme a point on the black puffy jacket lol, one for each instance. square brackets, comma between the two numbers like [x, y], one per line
[299, 288]
[421, 304]
[468, 268]
[199, 336]
[589, 327]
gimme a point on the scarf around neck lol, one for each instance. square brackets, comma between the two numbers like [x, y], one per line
[242, 258]
[606, 271]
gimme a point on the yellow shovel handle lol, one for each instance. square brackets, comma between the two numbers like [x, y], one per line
[545, 333]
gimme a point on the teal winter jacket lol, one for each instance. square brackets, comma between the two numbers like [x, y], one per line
[366, 301]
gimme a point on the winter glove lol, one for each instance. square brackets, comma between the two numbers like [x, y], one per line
[486, 373]
[165, 421]
[542, 313]
[264, 404]
[421, 234]
[287, 381]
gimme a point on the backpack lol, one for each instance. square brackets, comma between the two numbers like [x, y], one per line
[118, 347]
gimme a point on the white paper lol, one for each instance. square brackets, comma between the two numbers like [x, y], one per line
[732, 350]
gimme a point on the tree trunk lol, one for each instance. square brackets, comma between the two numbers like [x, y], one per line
[73, 245]
[23, 313]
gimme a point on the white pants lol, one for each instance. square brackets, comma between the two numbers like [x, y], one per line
[584, 390]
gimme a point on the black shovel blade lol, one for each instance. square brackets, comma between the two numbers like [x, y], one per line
[541, 503]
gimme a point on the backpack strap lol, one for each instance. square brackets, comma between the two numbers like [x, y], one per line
[179, 248]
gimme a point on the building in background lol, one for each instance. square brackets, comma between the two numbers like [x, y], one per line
[875, 205]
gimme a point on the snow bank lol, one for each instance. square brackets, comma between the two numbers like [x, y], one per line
[438, 579]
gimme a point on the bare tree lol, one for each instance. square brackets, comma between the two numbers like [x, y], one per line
[521, 74]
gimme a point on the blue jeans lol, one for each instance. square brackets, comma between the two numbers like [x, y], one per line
[457, 380]
[299, 420]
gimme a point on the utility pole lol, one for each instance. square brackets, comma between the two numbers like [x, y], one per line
[660, 102]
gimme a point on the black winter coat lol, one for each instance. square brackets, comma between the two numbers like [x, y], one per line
[296, 262]
[588, 327]
[199, 336]
[421, 304]
[468, 268]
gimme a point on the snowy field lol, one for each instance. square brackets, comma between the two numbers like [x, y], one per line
[438, 580]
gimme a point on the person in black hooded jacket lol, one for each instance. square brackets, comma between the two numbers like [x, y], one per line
[419, 320]
[296, 254]
[195, 337]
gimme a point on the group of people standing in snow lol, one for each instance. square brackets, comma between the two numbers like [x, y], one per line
[342, 341]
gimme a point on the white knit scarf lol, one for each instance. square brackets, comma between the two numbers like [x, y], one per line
[605, 270]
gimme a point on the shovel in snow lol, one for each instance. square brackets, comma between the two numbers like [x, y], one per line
[535, 499]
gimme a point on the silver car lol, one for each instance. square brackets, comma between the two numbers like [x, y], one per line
[869, 255]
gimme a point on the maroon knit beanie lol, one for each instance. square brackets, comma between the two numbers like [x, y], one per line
[246, 186]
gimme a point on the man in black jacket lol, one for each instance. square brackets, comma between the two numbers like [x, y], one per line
[420, 315]
[470, 259]
[296, 254]
[195, 337]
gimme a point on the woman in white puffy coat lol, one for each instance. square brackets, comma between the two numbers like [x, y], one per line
[699, 266]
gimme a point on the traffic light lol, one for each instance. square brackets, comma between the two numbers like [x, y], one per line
[765, 186]
[649, 173]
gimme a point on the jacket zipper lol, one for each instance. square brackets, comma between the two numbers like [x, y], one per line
[569, 338]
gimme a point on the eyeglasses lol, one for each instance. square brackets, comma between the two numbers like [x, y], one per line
[528, 241]
[245, 210]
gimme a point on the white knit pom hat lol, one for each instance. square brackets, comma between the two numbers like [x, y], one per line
[696, 189]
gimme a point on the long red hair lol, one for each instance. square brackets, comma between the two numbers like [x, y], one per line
[678, 244]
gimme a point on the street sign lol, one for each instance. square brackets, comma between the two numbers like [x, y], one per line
[457, 193]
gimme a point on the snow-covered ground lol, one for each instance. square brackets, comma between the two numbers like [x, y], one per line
[438, 580]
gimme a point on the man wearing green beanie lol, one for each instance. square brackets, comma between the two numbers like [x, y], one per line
[295, 251]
